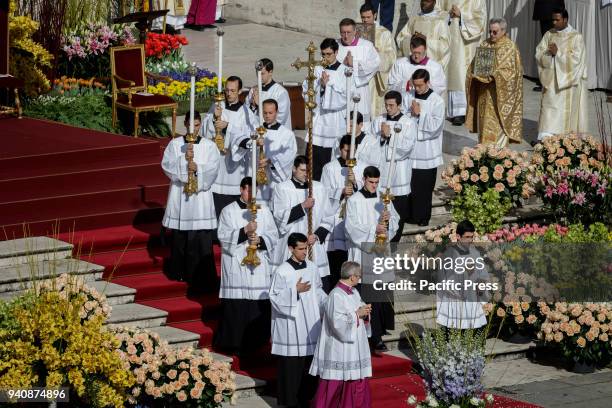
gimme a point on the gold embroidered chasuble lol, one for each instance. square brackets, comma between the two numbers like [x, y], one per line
[435, 27]
[495, 103]
[378, 85]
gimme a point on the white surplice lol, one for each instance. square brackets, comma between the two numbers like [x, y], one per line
[329, 120]
[296, 317]
[342, 352]
[197, 211]
[286, 204]
[401, 74]
[334, 179]
[366, 62]
[275, 91]
[362, 215]
[243, 281]
[231, 172]
[565, 97]
[280, 147]
[427, 152]
[379, 155]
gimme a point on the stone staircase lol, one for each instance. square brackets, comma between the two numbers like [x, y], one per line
[22, 261]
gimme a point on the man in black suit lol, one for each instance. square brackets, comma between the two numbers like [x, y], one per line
[542, 12]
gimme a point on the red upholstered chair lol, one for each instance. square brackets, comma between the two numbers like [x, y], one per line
[130, 85]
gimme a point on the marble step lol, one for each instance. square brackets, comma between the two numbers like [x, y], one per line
[136, 315]
[20, 277]
[115, 294]
[177, 337]
[34, 249]
[248, 387]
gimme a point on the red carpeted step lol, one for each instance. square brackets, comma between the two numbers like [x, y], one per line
[152, 286]
[205, 330]
[182, 309]
[133, 262]
[82, 204]
[114, 238]
[386, 365]
[92, 180]
[394, 391]
[51, 227]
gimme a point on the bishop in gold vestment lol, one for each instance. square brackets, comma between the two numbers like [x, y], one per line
[565, 100]
[495, 102]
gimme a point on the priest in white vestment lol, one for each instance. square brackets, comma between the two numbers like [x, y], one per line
[341, 184]
[365, 219]
[342, 357]
[329, 117]
[176, 17]
[279, 147]
[433, 24]
[271, 90]
[427, 108]
[192, 217]
[561, 58]
[385, 46]
[290, 205]
[298, 302]
[468, 27]
[400, 77]
[462, 309]
[234, 120]
[378, 152]
[245, 323]
[361, 55]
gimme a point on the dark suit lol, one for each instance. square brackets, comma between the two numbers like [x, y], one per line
[387, 9]
[542, 12]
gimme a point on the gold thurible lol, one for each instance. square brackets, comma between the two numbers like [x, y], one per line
[262, 174]
[381, 239]
[350, 163]
[219, 139]
[191, 187]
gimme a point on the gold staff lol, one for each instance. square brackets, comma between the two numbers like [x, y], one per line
[311, 63]
[262, 173]
[352, 160]
[251, 257]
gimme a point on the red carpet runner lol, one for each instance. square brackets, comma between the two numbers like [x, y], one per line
[110, 192]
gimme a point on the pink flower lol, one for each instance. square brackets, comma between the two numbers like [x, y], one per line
[601, 190]
[549, 191]
[563, 189]
[499, 187]
[579, 199]
[474, 178]
[181, 396]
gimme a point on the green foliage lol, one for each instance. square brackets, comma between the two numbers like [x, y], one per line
[486, 211]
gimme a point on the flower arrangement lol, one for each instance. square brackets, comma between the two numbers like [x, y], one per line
[76, 87]
[161, 46]
[85, 49]
[27, 58]
[453, 365]
[169, 377]
[566, 152]
[488, 182]
[179, 88]
[581, 331]
[445, 234]
[527, 233]
[51, 345]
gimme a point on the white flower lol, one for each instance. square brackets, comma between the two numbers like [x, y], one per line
[412, 400]
[454, 406]
[489, 397]
[432, 402]
[475, 401]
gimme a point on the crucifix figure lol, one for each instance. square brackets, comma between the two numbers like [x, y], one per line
[311, 104]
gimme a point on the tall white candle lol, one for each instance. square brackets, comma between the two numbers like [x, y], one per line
[356, 100]
[397, 129]
[260, 101]
[192, 103]
[220, 76]
[254, 169]
[348, 73]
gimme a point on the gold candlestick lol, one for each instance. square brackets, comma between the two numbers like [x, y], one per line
[350, 163]
[251, 257]
[219, 139]
[262, 173]
[192, 181]
[382, 239]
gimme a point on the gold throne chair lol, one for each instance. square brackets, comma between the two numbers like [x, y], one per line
[130, 85]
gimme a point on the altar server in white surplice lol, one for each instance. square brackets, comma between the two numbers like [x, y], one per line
[271, 90]
[298, 302]
[378, 153]
[401, 73]
[427, 108]
[385, 46]
[279, 147]
[290, 205]
[342, 358]
[192, 217]
[361, 55]
[340, 186]
[364, 220]
[468, 27]
[561, 57]
[245, 323]
[233, 118]
[329, 120]
[432, 23]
